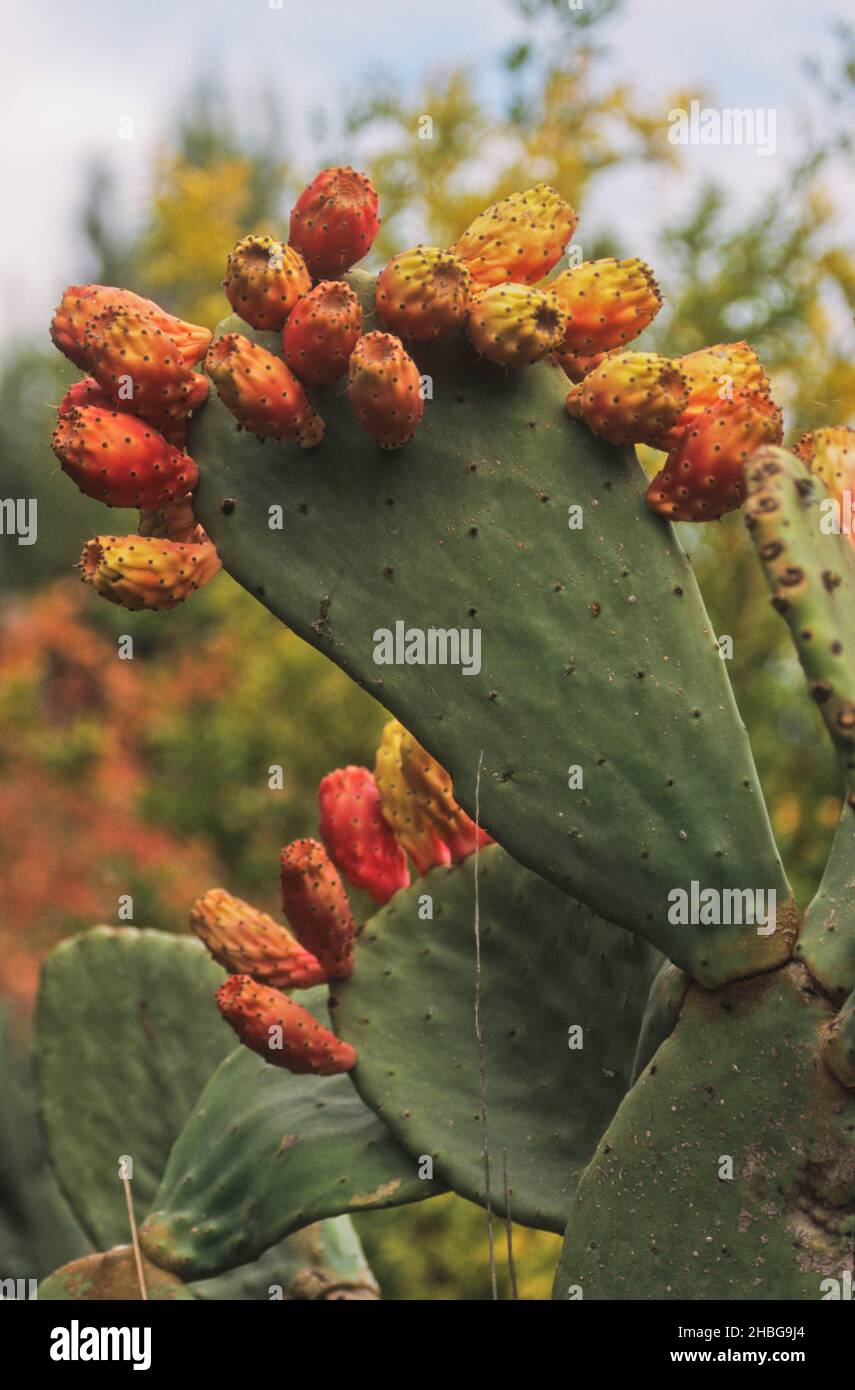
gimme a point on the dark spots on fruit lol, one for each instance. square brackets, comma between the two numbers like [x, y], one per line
[228, 505]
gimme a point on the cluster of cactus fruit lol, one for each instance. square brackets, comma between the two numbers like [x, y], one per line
[598, 653]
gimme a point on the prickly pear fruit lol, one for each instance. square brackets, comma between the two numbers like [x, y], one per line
[607, 303]
[246, 941]
[138, 365]
[144, 572]
[358, 837]
[85, 392]
[334, 221]
[830, 454]
[519, 238]
[401, 807]
[432, 789]
[80, 304]
[321, 332]
[261, 392]
[264, 280]
[280, 1031]
[119, 459]
[316, 905]
[384, 389]
[703, 478]
[515, 324]
[577, 365]
[173, 522]
[423, 293]
[713, 374]
[632, 398]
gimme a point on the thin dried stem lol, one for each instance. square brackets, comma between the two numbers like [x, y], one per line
[135, 1240]
[479, 1033]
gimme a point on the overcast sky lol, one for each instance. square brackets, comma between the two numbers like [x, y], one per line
[74, 68]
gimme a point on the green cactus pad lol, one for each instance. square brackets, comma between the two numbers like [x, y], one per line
[826, 942]
[660, 1017]
[547, 966]
[596, 649]
[110, 1277]
[128, 1033]
[841, 1045]
[657, 1215]
[263, 1154]
[324, 1261]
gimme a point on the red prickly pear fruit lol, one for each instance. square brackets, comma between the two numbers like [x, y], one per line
[632, 398]
[712, 375]
[85, 392]
[358, 837]
[80, 304]
[316, 906]
[264, 280]
[144, 572]
[246, 941]
[607, 303]
[334, 221]
[385, 390]
[321, 332]
[281, 1031]
[138, 365]
[515, 325]
[518, 239]
[262, 392]
[423, 293]
[121, 460]
[703, 478]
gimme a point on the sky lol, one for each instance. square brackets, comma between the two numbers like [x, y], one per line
[80, 74]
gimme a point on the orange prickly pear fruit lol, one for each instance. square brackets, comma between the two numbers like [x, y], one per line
[519, 238]
[334, 221]
[515, 325]
[119, 459]
[85, 392]
[402, 808]
[144, 572]
[321, 332]
[577, 365]
[830, 454]
[432, 788]
[712, 375]
[138, 365]
[606, 303]
[703, 478]
[80, 304]
[316, 905]
[423, 293]
[264, 280]
[246, 941]
[631, 398]
[262, 392]
[357, 835]
[385, 390]
[281, 1031]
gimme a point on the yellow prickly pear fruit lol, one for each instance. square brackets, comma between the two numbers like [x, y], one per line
[632, 398]
[146, 572]
[515, 325]
[423, 293]
[519, 238]
[607, 303]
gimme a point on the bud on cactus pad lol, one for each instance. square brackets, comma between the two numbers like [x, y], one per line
[321, 332]
[384, 390]
[713, 374]
[358, 837]
[334, 221]
[137, 364]
[432, 790]
[119, 459]
[281, 1031]
[607, 303]
[423, 293]
[830, 454]
[80, 304]
[173, 522]
[264, 280]
[144, 572]
[515, 325]
[632, 398]
[261, 391]
[703, 477]
[401, 807]
[247, 942]
[316, 905]
[520, 238]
